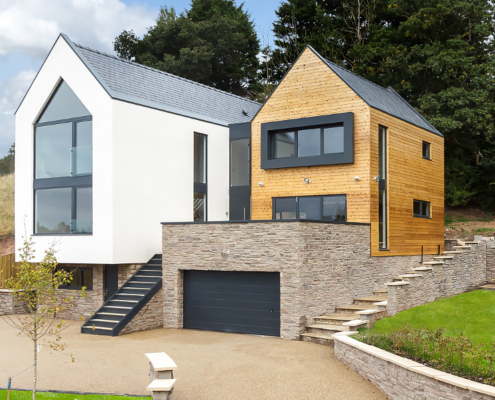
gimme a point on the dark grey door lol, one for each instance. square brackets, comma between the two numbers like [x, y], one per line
[241, 302]
[111, 280]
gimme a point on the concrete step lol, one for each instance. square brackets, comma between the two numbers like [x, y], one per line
[443, 258]
[489, 286]
[352, 308]
[335, 319]
[473, 242]
[317, 339]
[447, 252]
[379, 292]
[433, 263]
[326, 329]
[419, 269]
[370, 299]
[462, 247]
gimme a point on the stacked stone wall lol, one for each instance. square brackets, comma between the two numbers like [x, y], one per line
[150, 317]
[125, 272]
[8, 305]
[490, 262]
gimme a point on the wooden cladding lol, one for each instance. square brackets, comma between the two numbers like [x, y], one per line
[7, 269]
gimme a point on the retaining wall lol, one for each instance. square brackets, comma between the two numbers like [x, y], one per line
[8, 305]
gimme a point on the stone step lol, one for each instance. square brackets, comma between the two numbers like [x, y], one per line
[419, 269]
[351, 308]
[473, 242]
[433, 263]
[462, 247]
[453, 252]
[489, 286]
[317, 339]
[379, 292]
[397, 283]
[370, 299]
[326, 329]
[443, 258]
[336, 319]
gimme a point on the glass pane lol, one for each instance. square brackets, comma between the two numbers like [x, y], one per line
[417, 208]
[334, 208]
[82, 154]
[199, 158]
[425, 209]
[84, 210]
[64, 104]
[199, 206]
[53, 145]
[333, 140]
[76, 277]
[308, 142]
[239, 162]
[53, 210]
[382, 155]
[426, 150]
[310, 208]
[87, 278]
[283, 145]
[285, 208]
[382, 220]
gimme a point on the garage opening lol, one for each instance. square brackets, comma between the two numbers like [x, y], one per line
[240, 302]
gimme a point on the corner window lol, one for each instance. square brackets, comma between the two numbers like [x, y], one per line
[200, 177]
[81, 277]
[310, 141]
[426, 150]
[239, 162]
[421, 209]
[63, 166]
[330, 208]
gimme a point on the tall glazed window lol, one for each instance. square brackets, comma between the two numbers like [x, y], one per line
[63, 166]
[382, 189]
[200, 177]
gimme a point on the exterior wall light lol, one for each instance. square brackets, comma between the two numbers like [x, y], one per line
[307, 180]
[225, 254]
[261, 184]
[356, 178]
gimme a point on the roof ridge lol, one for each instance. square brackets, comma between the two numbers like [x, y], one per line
[165, 73]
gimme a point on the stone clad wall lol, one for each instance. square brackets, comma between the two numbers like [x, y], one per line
[125, 271]
[465, 272]
[7, 304]
[490, 262]
[150, 317]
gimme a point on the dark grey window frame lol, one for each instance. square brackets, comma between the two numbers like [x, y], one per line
[321, 207]
[74, 182]
[203, 187]
[429, 150]
[422, 203]
[267, 130]
[80, 269]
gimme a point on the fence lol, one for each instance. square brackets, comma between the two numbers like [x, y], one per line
[7, 269]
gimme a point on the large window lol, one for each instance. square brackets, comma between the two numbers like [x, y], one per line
[320, 208]
[81, 277]
[63, 166]
[200, 177]
[324, 140]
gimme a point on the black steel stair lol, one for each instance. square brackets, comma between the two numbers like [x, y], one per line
[126, 302]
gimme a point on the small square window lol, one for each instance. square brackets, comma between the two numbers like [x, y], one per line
[421, 209]
[426, 150]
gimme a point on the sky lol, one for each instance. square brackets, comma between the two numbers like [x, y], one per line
[28, 29]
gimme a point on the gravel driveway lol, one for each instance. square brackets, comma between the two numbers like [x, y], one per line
[211, 365]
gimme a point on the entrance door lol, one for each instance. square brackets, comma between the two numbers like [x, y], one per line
[111, 280]
[242, 302]
[382, 191]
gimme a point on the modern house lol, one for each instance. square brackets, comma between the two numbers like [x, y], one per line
[108, 150]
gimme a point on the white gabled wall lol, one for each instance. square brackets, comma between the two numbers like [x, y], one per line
[153, 176]
[63, 63]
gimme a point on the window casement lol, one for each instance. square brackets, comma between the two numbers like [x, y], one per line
[200, 177]
[426, 150]
[81, 277]
[63, 166]
[421, 209]
[330, 208]
[323, 140]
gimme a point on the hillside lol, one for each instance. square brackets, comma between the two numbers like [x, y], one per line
[464, 223]
[7, 205]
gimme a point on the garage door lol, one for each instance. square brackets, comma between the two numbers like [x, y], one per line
[242, 302]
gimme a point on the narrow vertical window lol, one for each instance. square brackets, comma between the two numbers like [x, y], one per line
[426, 150]
[200, 177]
[382, 187]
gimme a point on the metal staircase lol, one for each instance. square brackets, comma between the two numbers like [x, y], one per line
[126, 302]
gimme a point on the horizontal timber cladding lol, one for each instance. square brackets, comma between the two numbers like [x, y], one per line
[240, 302]
[312, 89]
[410, 177]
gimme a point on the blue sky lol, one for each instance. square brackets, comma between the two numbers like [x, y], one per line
[28, 29]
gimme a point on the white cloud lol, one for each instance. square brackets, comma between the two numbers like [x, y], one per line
[31, 26]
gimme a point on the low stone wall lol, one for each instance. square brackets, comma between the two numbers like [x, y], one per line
[80, 307]
[490, 262]
[8, 305]
[400, 378]
[150, 317]
[463, 273]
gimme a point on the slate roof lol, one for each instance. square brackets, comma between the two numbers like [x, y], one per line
[386, 100]
[138, 84]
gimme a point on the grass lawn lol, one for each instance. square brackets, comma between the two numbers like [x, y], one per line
[471, 313]
[25, 395]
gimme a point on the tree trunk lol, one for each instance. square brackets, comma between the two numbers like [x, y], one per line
[35, 365]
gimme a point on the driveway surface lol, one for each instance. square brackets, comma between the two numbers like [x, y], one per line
[211, 365]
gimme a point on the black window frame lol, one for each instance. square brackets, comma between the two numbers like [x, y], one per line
[200, 187]
[422, 203]
[274, 199]
[80, 270]
[423, 150]
[74, 182]
[269, 129]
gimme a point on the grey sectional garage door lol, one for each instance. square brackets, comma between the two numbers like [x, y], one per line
[242, 302]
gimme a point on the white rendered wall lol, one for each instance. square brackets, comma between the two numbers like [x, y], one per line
[153, 182]
[97, 248]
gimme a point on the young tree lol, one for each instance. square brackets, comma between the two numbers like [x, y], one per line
[213, 43]
[34, 288]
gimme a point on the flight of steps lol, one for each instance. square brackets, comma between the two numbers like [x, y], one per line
[347, 318]
[126, 302]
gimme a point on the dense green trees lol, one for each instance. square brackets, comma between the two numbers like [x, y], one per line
[7, 163]
[213, 43]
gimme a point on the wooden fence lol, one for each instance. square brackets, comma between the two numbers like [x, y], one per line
[7, 269]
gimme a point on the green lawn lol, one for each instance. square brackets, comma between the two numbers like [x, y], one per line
[471, 313]
[24, 395]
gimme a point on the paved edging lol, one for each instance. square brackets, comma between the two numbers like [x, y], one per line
[399, 377]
